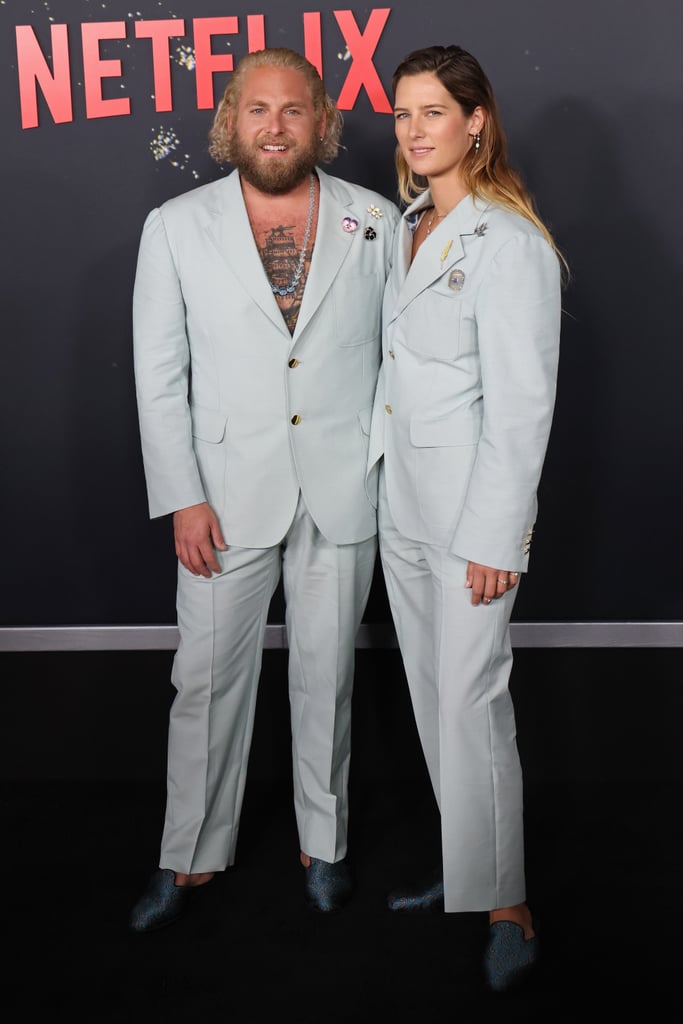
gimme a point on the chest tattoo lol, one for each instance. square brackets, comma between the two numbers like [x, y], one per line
[286, 266]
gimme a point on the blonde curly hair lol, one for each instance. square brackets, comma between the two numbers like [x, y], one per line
[220, 147]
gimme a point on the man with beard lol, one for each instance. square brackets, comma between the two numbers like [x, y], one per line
[256, 317]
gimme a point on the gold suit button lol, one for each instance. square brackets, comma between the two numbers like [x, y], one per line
[388, 409]
[296, 420]
[391, 354]
[292, 363]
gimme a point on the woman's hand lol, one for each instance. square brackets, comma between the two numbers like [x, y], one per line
[487, 583]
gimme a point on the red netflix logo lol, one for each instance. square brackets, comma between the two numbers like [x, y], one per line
[34, 71]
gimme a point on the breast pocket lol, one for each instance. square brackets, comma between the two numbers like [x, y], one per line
[357, 304]
[439, 328]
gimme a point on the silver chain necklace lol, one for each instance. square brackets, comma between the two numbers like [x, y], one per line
[276, 289]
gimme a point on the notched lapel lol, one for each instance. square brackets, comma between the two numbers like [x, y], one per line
[437, 254]
[230, 233]
[440, 251]
[332, 245]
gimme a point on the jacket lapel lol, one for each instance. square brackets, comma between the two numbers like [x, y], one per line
[331, 248]
[230, 232]
[439, 252]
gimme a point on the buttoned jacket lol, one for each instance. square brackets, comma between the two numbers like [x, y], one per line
[233, 409]
[466, 393]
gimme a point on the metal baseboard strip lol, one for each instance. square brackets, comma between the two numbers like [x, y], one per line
[378, 636]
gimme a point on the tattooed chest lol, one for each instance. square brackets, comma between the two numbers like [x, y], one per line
[286, 252]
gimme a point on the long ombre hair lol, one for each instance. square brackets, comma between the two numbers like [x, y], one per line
[486, 171]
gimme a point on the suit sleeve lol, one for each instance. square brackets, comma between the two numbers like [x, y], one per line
[162, 366]
[518, 330]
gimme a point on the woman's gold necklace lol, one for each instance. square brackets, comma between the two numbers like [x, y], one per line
[434, 216]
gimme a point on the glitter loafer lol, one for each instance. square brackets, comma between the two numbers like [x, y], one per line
[161, 903]
[427, 896]
[509, 956]
[328, 886]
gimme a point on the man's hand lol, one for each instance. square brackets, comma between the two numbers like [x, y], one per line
[197, 535]
[487, 583]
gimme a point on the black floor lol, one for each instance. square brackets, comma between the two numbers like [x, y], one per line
[81, 802]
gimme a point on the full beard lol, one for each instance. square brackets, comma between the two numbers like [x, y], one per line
[274, 176]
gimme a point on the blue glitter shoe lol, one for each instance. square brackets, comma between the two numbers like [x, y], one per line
[161, 903]
[425, 896]
[509, 956]
[328, 886]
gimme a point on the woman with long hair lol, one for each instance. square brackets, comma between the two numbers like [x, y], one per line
[460, 430]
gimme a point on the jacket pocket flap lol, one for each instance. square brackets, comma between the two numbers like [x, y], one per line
[460, 428]
[208, 424]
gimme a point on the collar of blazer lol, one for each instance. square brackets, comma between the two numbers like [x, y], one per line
[440, 251]
[230, 232]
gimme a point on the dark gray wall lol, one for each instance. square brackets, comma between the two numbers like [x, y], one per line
[591, 95]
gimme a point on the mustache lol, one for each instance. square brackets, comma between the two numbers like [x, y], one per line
[280, 140]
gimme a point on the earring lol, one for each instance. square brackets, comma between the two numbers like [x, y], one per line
[477, 142]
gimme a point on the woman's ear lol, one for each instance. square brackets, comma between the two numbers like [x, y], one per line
[477, 121]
